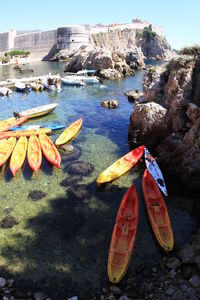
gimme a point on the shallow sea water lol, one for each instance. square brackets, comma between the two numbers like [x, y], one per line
[60, 242]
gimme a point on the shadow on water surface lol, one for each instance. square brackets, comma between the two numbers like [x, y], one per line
[67, 252]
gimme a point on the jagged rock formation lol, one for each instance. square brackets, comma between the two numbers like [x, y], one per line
[175, 88]
[109, 63]
[153, 46]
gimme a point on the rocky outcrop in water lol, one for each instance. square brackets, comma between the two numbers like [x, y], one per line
[110, 103]
[174, 88]
[109, 63]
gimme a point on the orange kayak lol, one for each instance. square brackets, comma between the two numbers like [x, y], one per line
[6, 148]
[124, 236]
[157, 212]
[69, 132]
[9, 123]
[18, 133]
[121, 166]
[18, 155]
[34, 153]
[49, 150]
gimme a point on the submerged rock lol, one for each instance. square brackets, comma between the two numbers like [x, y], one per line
[79, 192]
[36, 195]
[71, 180]
[80, 168]
[66, 149]
[9, 222]
[69, 156]
[110, 103]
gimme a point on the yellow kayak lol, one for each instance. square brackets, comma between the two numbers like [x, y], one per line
[37, 111]
[69, 132]
[18, 133]
[121, 166]
[34, 153]
[6, 148]
[18, 155]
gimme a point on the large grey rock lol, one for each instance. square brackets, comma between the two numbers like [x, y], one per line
[110, 74]
[147, 123]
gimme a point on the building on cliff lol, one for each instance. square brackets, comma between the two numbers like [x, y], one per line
[71, 37]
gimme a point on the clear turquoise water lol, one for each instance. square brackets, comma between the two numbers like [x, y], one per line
[60, 243]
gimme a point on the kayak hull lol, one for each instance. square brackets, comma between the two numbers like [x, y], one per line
[27, 133]
[69, 132]
[49, 150]
[6, 148]
[38, 111]
[157, 212]
[121, 166]
[34, 153]
[155, 171]
[18, 155]
[32, 127]
[124, 236]
[8, 123]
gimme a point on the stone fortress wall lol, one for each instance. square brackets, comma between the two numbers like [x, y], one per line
[68, 37]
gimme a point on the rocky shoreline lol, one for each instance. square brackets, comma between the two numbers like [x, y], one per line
[166, 118]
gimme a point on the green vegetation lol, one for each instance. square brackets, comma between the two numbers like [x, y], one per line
[193, 50]
[20, 53]
[148, 33]
[4, 59]
[139, 33]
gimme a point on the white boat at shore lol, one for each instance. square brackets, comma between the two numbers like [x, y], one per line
[87, 76]
[22, 87]
[73, 81]
[4, 91]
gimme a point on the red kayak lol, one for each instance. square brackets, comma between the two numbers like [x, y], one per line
[124, 235]
[157, 212]
[9, 123]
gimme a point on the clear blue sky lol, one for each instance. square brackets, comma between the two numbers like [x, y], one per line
[180, 19]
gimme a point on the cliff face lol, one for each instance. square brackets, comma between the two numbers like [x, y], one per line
[152, 45]
[175, 89]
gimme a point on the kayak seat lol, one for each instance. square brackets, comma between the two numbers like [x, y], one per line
[124, 226]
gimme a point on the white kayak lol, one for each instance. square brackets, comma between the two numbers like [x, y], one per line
[155, 171]
[36, 111]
